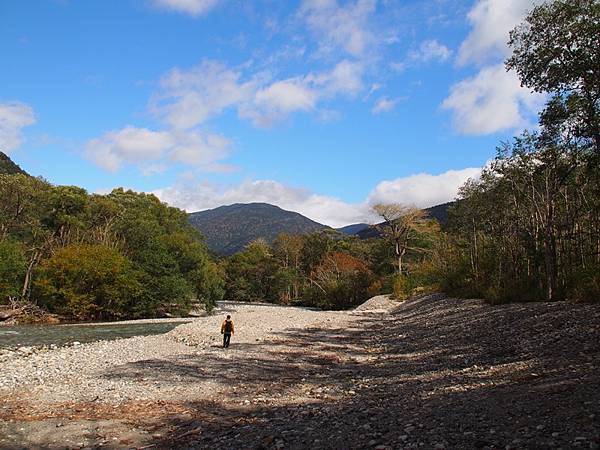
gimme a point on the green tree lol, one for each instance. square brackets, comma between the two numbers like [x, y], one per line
[400, 227]
[250, 274]
[556, 50]
[88, 282]
[13, 265]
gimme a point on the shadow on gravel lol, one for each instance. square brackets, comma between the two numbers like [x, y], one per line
[441, 373]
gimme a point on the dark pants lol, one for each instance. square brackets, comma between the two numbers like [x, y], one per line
[226, 339]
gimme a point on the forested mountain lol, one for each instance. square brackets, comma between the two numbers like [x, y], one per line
[353, 229]
[228, 229]
[440, 212]
[8, 167]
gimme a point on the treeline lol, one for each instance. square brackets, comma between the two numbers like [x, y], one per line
[326, 269]
[84, 256]
[529, 229]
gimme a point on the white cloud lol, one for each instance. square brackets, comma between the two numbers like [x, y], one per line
[274, 102]
[14, 116]
[384, 104]
[430, 50]
[151, 150]
[190, 97]
[422, 190]
[344, 78]
[340, 27]
[194, 8]
[492, 20]
[491, 101]
[398, 67]
[195, 149]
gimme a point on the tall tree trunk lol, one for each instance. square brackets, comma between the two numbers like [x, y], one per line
[26, 291]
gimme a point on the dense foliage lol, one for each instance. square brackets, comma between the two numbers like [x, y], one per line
[530, 228]
[324, 269]
[123, 254]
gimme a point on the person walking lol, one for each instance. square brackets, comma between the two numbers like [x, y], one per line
[227, 330]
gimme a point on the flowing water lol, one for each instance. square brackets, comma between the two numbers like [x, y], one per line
[34, 335]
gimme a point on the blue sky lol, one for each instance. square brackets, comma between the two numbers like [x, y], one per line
[320, 106]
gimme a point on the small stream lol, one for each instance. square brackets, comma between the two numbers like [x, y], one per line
[36, 335]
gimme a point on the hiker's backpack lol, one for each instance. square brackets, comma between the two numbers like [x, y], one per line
[228, 326]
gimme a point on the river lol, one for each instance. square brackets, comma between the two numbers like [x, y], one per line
[35, 335]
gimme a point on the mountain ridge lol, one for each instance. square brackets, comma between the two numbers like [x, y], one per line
[228, 229]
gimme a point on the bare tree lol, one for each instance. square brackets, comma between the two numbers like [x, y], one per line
[400, 223]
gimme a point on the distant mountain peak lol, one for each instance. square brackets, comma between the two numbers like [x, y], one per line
[229, 228]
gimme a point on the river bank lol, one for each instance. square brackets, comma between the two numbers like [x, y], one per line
[433, 372]
[37, 337]
[33, 338]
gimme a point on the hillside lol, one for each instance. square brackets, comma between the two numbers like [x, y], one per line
[353, 229]
[440, 212]
[228, 229]
[8, 167]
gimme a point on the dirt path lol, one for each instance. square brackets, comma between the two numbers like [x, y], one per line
[436, 373]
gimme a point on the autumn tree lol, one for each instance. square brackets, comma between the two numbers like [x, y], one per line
[339, 281]
[401, 223]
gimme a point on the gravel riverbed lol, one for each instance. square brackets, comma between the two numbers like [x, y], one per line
[112, 371]
[430, 373]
